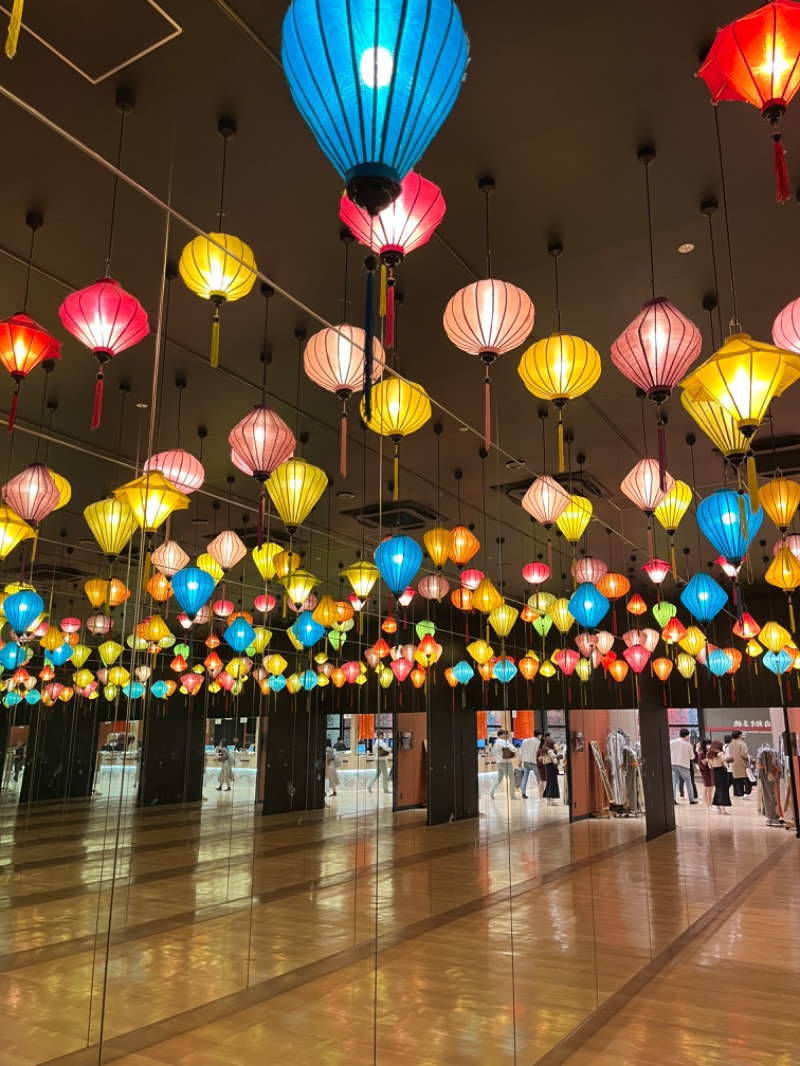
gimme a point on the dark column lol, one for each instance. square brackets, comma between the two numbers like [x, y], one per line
[172, 755]
[61, 753]
[452, 759]
[294, 745]
[656, 766]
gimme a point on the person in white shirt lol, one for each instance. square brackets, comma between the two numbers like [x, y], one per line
[505, 766]
[681, 754]
[383, 751]
[527, 754]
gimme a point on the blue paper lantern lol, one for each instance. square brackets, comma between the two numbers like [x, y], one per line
[307, 630]
[718, 662]
[239, 634]
[778, 663]
[12, 699]
[159, 689]
[22, 608]
[134, 690]
[308, 680]
[463, 672]
[374, 79]
[728, 523]
[398, 559]
[58, 656]
[277, 682]
[588, 606]
[33, 697]
[703, 597]
[504, 671]
[12, 655]
[192, 588]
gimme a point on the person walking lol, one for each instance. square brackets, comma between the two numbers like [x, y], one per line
[548, 757]
[681, 754]
[383, 751]
[739, 760]
[19, 760]
[226, 769]
[706, 773]
[527, 754]
[332, 758]
[716, 760]
[504, 753]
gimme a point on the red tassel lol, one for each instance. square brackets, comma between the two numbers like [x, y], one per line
[389, 334]
[12, 414]
[782, 190]
[98, 400]
[487, 420]
[662, 456]
[343, 444]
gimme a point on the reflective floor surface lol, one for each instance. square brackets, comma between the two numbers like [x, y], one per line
[355, 936]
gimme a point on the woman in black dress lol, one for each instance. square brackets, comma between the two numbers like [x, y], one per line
[549, 759]
[719, 767]
[706, 772]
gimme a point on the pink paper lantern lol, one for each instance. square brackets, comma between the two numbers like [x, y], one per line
[786, 328]
[405, 597]
[264, 603]
[588, 570]
[192, 683]
[545, 501]
[433, 587]
[657, 348]
[261, 442]
[227, 549]
[407, 223]
[535, 573]
[470, 579]
[180, 468]
[401, 668]
[636, 657]
[657, 570]
[645, 486]
[32, 494]
[566, 659]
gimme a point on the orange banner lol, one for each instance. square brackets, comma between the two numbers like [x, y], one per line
[366, 727]
[482, 734]
[523, 724]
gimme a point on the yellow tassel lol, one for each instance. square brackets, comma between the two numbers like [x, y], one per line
[560, 445]
[396, 476]
[752, 483]
[215, 340]
[284, 611]
[743, 517]
[382, 298]
[791, 615]
[34, 546]
[672, 558]
[14, 26]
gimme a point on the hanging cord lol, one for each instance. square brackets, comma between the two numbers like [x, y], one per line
[346, 237]
[646, 156]
[170, 274]
[266, 358]
[437, 429]
[41, 416]
[202, 433]
[125, 101]
[555, 248]
[124, 389]
[487, 187]
[34, 222]
[299, 336]
[52, 407]
[734, 323]
[370, 265]
[709, 209]
[226, 128]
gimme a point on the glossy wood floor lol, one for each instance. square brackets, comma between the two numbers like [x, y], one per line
[355, 937]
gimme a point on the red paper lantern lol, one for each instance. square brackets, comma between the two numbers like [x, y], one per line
[401, 668]
[470, 579]
[405, 597]
[107, 320]
[351, 671]
[636, 657]
[656, 570]
[535, 573]
[567, 660]
[756, 60]
[264, 603]
[261, 442]
[746, 626]
[674, 631]
[192, 683]
[23, 346]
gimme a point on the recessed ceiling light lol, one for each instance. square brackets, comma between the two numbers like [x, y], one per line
[345, 495]
[514, 464]
[463, 429]
[142, 406]
[684, 249]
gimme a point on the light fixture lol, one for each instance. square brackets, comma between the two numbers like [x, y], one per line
[112, 524]
[295, 488]
[152, 499]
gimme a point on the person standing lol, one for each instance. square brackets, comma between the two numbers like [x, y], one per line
[706, 772]
[331, 768]
[681, 754]
[383, 751]
[19, 760]
[548, 758]
[719, 767]
[739, 760]
[226, 769]
[527, 753]
[504, 754]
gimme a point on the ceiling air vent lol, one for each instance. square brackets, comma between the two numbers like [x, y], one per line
[580, 483]
[395, 515]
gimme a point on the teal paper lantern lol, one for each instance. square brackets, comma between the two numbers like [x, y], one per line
[192, 588]
[726, 520]
[777, 663]
[159, 690]
[22, 608]
[33, 697]
[504, 671]
[398, 559]
[12, 699]
[463, 672]
[307, 629]
[239, 634]
[703, 597]
[134, 690]
[718, 662]
[588, 606]
[62, 654]
[308, 680]
[12, 655]
[277, 683]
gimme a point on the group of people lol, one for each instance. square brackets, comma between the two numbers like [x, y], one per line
[538, 756]
[722, 764]
[333, 763]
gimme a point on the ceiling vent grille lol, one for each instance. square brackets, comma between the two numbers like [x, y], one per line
[405, 515]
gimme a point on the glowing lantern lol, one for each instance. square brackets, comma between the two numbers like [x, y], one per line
[109, 651]
[169, 558]
[743, 377]
[588, 570]
[657, 348]
[462, 599]
[546, 501]
[13, 530]
[719, 427]
[718, 662]
[574, 519]
[434, 587]
[547, 669]
[403, 226]
[694, 641]
[588, 606]
[646, 487]
[753, 648]
[438, 542]
[561, 615]
[32, 494]
[543, 624]
[192, 588]
[470, 579]
[777, 662]
[480, 651]
[152, 499]
[398, 408]
[112, 524]
[488, 318]
[613, 585]
[298, 585]
[703, 597]
[220, 268]
[728, 523]
[118, 592]
[398, 559]
[662, 668]
[502, 619]
[464, 547]
[535, 573]
[264, 603]
[107, 320]
[780, 498]
[674, 631]
[210, 565]
[295, 488]
[284, 563]
[374, 84]
[334, 360]
[159, 588]
[528, 667]
[636, 605]
[180, 468]
[22, 608]
[746, 626]
[261, 442]
[685, 664]
[99, 624]
[362, 577]
[24, 345]
[96, 590]
[736, 659]
[486, 597]
[784, 571]
[227, 549]
[566, 659]
[618, 670]
[656, 570]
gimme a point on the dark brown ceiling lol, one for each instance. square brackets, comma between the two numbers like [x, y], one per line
[557, 101]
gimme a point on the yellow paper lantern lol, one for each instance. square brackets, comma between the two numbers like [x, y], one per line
[155, 629]
[784, 571]
[293, 683]
[774, 637]
[465, 546]
[294, 640]
[753, 648]
[64, 494]
[13, 530]
[152, 499]
[80, 653]
[547, 669]
[82, 678]
[540, 601]
[362, 576]
[780, 498]
[211, 566]
[485, 596]
[480, 651]
[52, 639]
[743, 377]
[325, 612]
[96, 590]
[694, 640]
[560, 613]
[583, 668]
[262, 638]
[719, 427]
[276, 664]
[112, 524]
[685, 664]
[118, 676]
[385, 677]
[109, 651]
[399, 408]
[263, 558]
[295, 487]
[284, 563]
[438, 542]
[299, 584]
[674, 506]
[502, 619]
[574, 519]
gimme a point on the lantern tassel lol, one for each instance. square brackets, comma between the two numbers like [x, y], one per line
[215, 339]
[791, 615]
[673, 560]
[98, 400]
[14, 26]
[549, 553]
[487, 411]
[369, 334]
[752, 482]
[389, 333]
[12, 414]
[343, 444]
[662, 455]
[782, 190]
[382, 294]
[742, 516]
[396, 475]
[36, 542]
[561, 465]
[261, 517]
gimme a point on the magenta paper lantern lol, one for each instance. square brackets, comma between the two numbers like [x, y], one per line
[535, 573]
